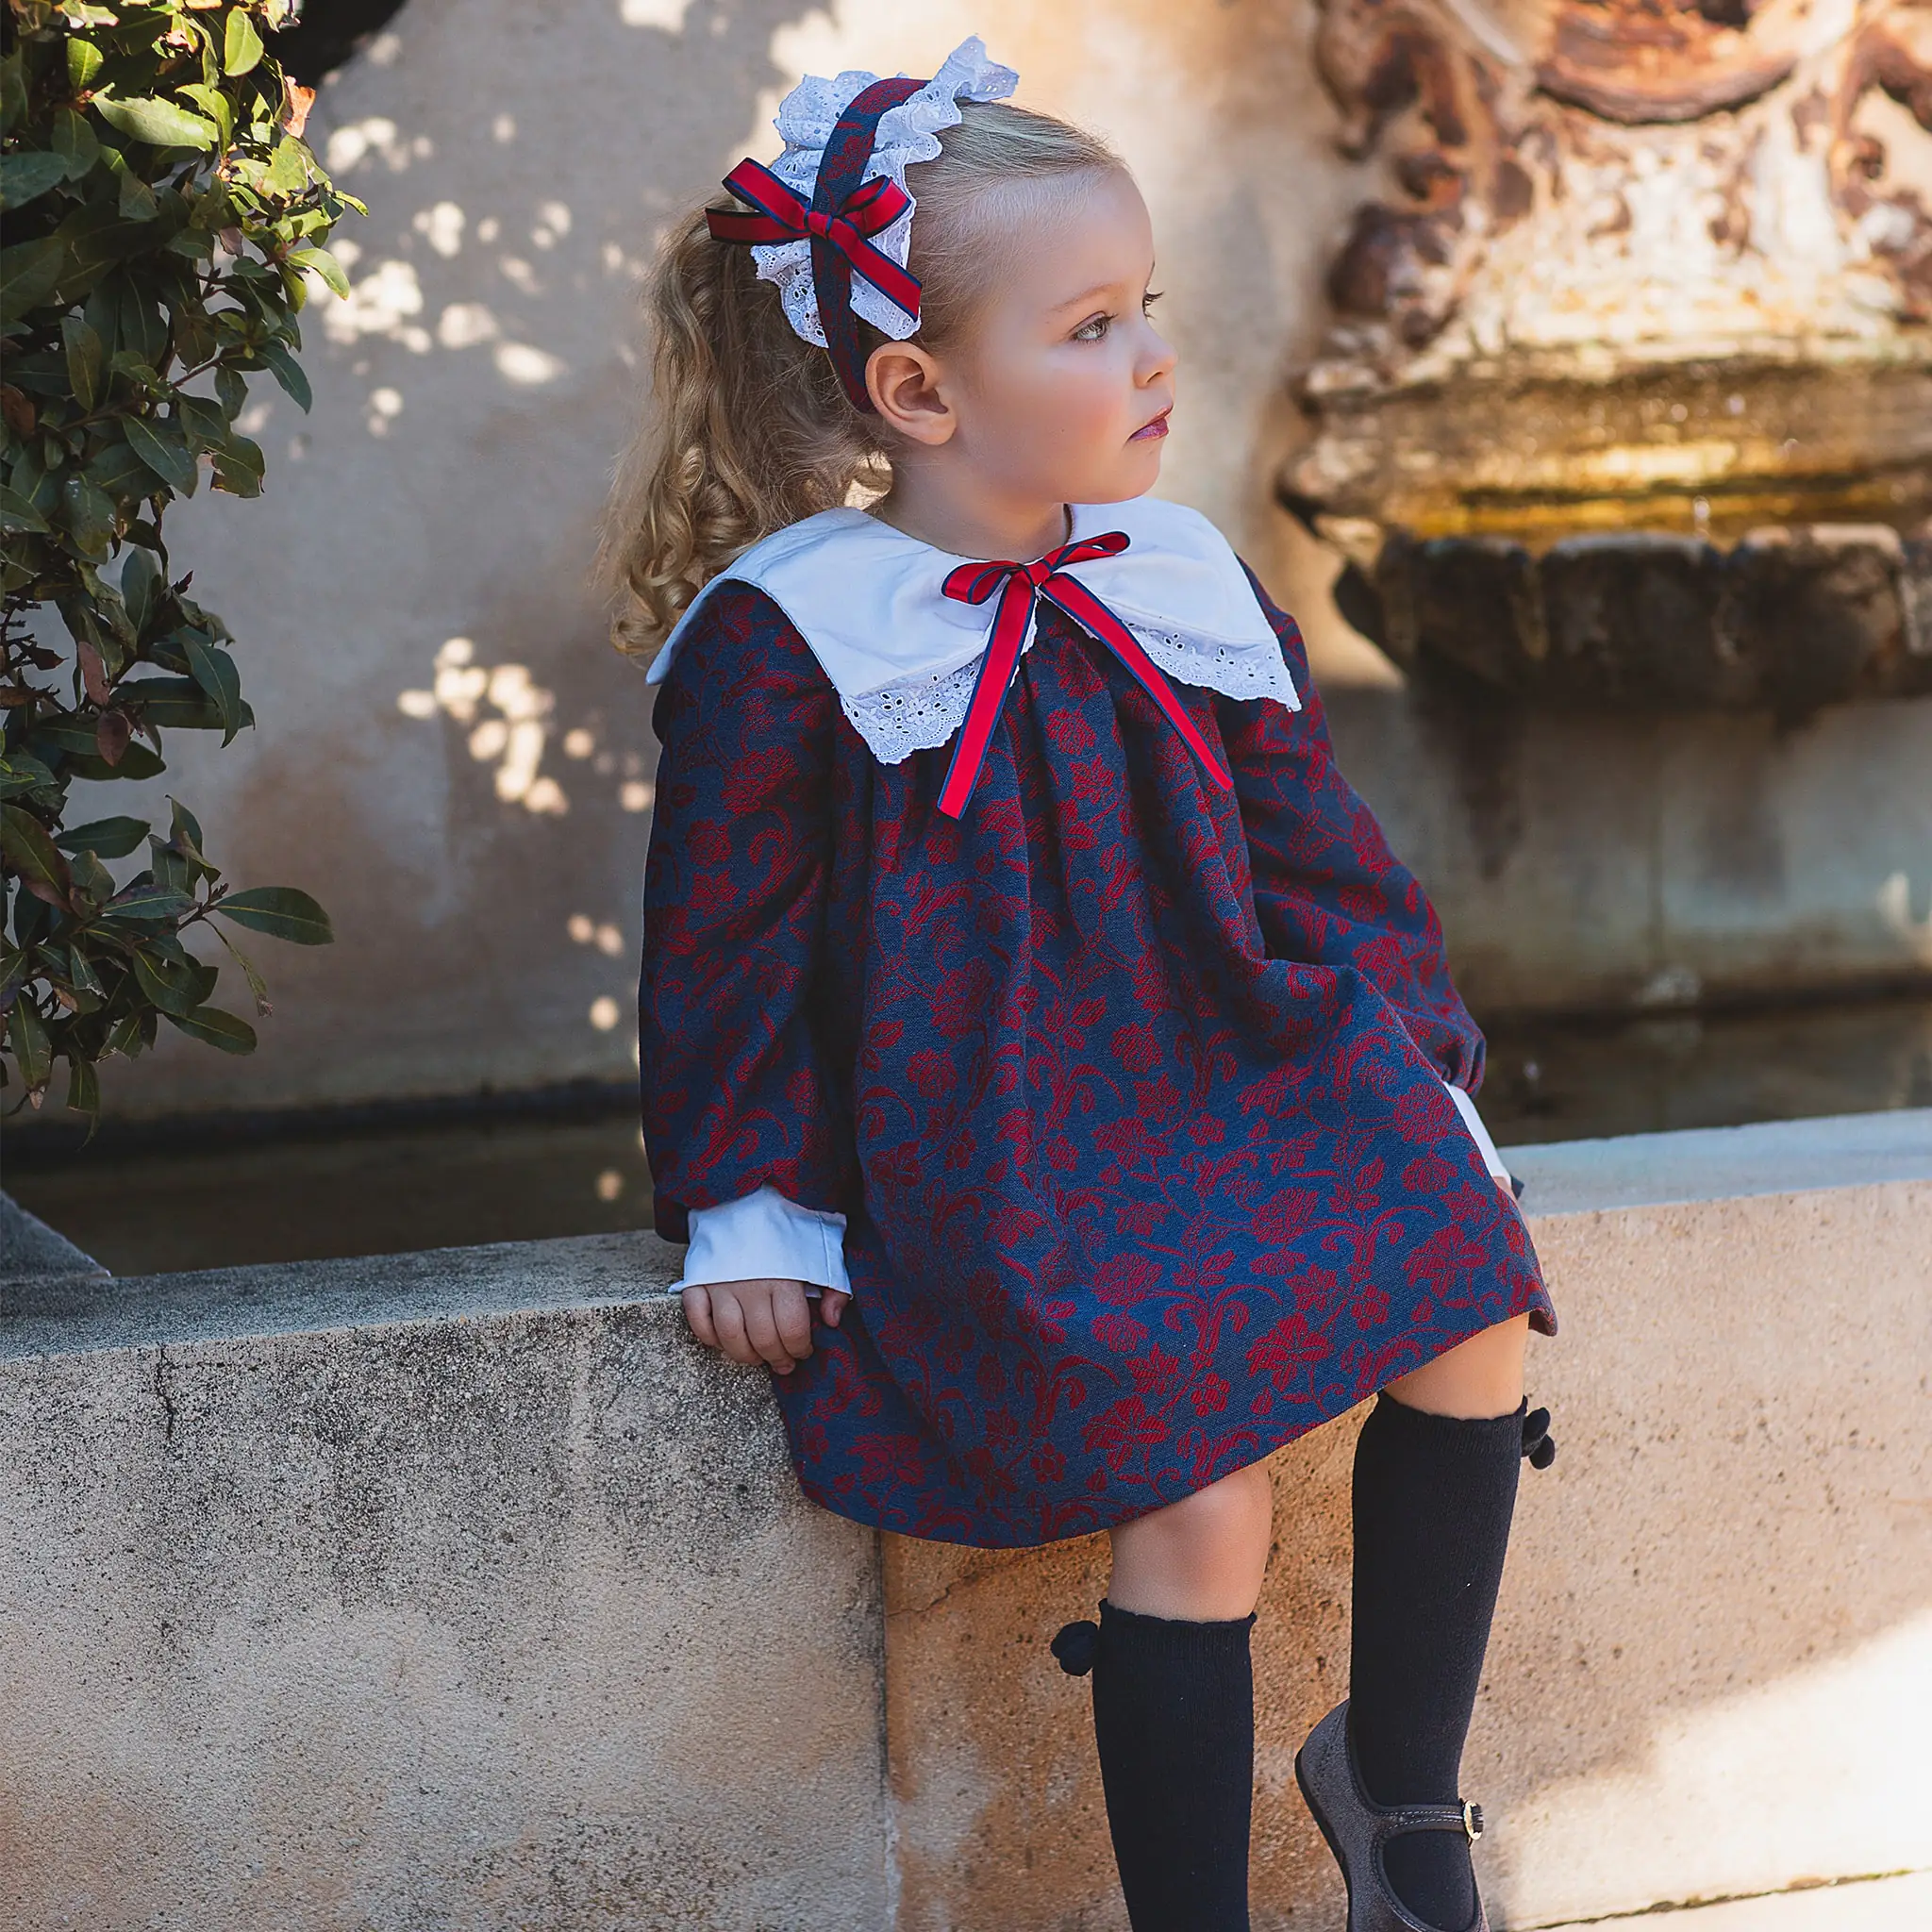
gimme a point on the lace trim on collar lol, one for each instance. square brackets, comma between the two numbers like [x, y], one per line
[926, 708]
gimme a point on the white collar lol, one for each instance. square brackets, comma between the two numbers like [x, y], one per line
[902, 655]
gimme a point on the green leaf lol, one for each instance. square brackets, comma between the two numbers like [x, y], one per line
[119, 472]
[105, 837]
[232, 391]
[214, 671]
[288, 371]
[240, 44]
[137, 761]
[257, 985]
[238, 466]
[89, 514]
[136, 200]
[165, 454]
[201, 421]
[288, 174]
[28, 174]
[160, 123]
[280, 911]
[15, 964]
[175, 985]
[168, 701]
[216, 106]
[184, 831]
[84, 360]
[216, 1028]
[84, 60]
[320, 262]
[82, 973]
[33, 855]
[75, 141]
[140, 586]
[19, 773]
[150, 905]
[32, 1049]
[83, 1087]
[93, 884]
[17, 513]
[28, 273]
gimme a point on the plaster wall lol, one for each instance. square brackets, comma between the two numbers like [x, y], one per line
[462, 1590]
[450, 757]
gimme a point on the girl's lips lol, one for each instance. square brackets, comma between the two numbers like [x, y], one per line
[1156, 427]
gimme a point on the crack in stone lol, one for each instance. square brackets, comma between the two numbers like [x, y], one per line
[164, 1392]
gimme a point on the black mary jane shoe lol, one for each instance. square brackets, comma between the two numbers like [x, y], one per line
[1356, 1828]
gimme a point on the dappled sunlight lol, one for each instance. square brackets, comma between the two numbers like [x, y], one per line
[1895, 908]
[1819, 1771]
[507, 716]
[521, 363]
[441, 226]
[509, 721]
[586, 931]
[665, 15]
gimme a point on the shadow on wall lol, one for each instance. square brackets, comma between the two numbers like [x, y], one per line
[449, 755]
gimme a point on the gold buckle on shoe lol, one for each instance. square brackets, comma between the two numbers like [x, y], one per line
[1472, 1821]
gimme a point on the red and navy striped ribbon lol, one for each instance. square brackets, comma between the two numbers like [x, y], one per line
[842, 216]
[782, 217]
[1018, 584]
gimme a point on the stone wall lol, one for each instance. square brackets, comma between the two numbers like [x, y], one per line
[461, 1589]
[450, 757]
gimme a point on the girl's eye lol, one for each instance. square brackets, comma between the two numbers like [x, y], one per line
[1150, 298]
[1092, 329]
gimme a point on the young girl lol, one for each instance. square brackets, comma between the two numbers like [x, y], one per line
[1024, 985]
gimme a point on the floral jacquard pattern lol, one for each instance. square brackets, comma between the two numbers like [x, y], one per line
[1129, 1087]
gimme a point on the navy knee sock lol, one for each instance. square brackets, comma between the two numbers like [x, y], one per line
[1433, 1499]
[1173, 1720]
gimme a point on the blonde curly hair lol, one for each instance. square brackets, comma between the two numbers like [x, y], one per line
[746, 428]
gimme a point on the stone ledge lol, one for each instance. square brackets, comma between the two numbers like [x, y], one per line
[1720, 1163]
[461, 1588]
[72, 1315]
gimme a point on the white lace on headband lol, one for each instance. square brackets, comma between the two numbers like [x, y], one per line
[906, 134]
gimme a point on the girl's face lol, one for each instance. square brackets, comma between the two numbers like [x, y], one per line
[1060, 389]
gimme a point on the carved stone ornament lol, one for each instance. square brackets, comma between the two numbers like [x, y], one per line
[1628, 396]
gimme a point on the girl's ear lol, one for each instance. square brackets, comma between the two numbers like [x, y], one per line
[903, 381]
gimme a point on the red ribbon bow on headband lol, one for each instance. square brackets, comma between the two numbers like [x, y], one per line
[1018, 584]
[782, 217]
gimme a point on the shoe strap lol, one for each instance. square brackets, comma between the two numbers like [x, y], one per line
[1398, 1818]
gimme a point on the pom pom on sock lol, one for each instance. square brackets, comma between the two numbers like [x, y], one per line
[1075, 1645]
[1538, 1444]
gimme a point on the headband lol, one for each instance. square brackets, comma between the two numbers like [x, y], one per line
[832, 219]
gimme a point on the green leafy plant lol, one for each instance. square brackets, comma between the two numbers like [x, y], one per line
[159, 215]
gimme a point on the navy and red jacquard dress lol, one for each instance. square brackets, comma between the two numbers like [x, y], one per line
[1130, 1090]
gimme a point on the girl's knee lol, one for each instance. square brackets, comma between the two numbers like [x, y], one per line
[1482, 1377]
[1208, 1545]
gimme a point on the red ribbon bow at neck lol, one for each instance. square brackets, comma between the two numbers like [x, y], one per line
[782, 217]
[1018, 584]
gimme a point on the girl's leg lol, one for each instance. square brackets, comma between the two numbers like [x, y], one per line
[1173, 1704]
[1435, 1488]
[1202, 1557]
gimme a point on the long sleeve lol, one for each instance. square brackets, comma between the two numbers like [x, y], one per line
[743, 1125]
[1328, 888]
[763, 1235]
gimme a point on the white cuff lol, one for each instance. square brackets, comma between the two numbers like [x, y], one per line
[764, 1235]
[1474, 1121]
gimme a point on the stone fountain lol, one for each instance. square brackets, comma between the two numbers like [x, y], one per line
[1628, 396]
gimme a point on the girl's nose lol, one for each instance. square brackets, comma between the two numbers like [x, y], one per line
[1157, 358]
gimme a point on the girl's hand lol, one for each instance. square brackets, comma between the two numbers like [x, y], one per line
[763, 1321]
